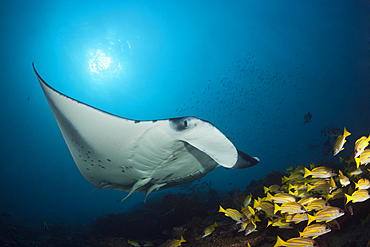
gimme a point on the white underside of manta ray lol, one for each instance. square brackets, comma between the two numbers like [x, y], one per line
[117, 153]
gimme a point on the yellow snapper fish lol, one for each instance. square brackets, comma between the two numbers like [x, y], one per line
[317, 205]
[360, 145]
[320, 186]
[290, 207]
[280, 197]
[244, 225]
[266, 207]
[363, 184]
[339, 142]
[314, 230]
[300, 193]
[336, 194]
[358, 196]
[251, 227]
[233, 214]
[306, 200]
[355, 172]
[281, 223]
[296, 218]
[364, 158]
[248, 212]
[273, 188]
[297, 186]
[247, 200]
[326, 215]
[296, 242]
[319, 172]
[175, 243]
[344, 181]
[294, 176]
[210, 229]
[133, 243]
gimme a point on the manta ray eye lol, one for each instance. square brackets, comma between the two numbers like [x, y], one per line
[180, 124]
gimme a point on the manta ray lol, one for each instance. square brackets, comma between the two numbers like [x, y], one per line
[113, 152]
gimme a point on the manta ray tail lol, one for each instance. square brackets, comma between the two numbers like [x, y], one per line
[101, 185]
[138, 184]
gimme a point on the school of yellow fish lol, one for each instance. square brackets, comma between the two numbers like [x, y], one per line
[305, 196]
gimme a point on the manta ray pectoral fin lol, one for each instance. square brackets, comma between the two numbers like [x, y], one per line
[138, 184]
[245, 161]
[152, 188]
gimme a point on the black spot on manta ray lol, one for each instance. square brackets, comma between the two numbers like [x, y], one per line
[99, 160]
[109, 160]
[87, 169]
[92, 164]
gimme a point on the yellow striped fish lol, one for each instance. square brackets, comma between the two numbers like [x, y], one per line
[298, 242]
[306, 200]
[210, 229]
[326, 214]
[251, 227]
[363, 184]
[314, 230]
[294, 176]
[344, 181]
[320, 186]
[290, 207]
[317, 205]
[266, 207]
[175, 243]
[364, 157]
[355, 172]
[300, 193]
[296, 218]
[280, 197]
[281, 223]
[339, 142]
[247, 200]
[298, 186]
[336, 194]
[233, 214]
[273, 188]
[358, 196]
[319, 172]
[248, 212]
[360, 145]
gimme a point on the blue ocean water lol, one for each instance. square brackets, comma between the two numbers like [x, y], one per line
[252, 68]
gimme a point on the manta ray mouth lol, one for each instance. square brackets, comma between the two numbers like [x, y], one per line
[113, 152]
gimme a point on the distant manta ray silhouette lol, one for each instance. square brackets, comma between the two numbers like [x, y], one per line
[117, 153]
